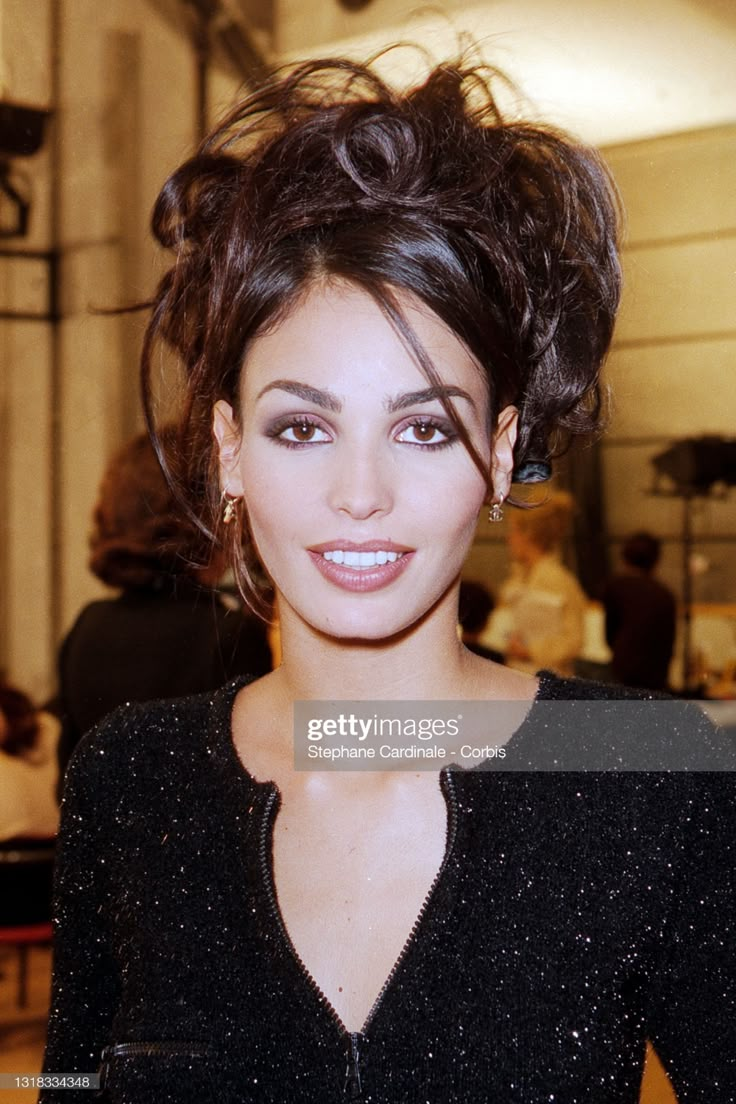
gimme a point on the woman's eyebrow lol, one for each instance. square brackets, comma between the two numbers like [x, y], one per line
[329, 401]
[428, 394]
[315, 395]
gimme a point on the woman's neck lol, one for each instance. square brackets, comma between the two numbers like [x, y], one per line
[427, 661]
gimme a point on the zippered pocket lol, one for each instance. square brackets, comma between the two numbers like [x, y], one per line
[162, 1047]
[157, 1070]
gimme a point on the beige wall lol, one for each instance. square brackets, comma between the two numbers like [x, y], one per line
[125, 115]
[26, 647]
[672, 370]
[124, 126]
[673, 364]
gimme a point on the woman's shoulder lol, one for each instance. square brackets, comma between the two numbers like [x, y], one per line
[144, 735]
[554, 687]
[578, 724]
[148, 766]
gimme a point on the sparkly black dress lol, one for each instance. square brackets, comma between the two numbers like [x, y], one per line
[580, 909]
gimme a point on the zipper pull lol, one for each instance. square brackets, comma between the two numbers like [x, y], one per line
[353, 1089]
[104, 1069]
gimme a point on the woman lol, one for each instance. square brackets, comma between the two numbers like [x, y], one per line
[166, 632]
[28, 770]
[385, 305]
[543, 601]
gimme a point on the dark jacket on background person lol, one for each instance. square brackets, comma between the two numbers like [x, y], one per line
[641, 616]
[163, 641]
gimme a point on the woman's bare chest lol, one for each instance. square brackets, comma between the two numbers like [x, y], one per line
[352, 872]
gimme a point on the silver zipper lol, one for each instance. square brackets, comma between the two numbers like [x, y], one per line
[124, 1050]
[447, 786]
[352, 1086]
[160, 1048]
[352, 1089]
[268, 816]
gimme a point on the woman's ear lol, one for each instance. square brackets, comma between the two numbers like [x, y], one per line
[502, 451]
[227, 436]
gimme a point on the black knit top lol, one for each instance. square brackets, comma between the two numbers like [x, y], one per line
[576, 914]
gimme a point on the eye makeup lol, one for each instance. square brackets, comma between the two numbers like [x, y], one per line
[425, 430]
[304, 430]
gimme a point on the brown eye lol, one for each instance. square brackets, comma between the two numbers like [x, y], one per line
[303, 432]
[429, 434]
[423, 433]
[300, 432]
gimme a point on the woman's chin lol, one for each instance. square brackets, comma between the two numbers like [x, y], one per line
[362, 635]
[376, 629]
[370, 623]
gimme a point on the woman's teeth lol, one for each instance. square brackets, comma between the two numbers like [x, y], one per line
[361, 559]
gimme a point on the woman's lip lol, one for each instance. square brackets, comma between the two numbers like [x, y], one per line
[360, 580]
[360, 546]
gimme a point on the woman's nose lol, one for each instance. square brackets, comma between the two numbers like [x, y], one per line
[362, 484]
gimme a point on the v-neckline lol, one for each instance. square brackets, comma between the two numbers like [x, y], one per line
[266, 855]
[239, 777]
[222, 737]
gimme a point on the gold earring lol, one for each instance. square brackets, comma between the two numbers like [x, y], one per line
[230, 510]
[496, 512]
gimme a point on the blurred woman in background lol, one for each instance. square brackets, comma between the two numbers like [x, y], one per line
[168, 631]
[28, 767]
[542, 601]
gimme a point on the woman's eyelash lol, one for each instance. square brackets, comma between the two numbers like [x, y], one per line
[306, 431]
[301, 424]
[424, 423]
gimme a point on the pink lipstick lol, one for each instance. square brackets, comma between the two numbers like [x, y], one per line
[361, 566]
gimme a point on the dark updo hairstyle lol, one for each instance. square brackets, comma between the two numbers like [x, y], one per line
[141, 537]
[506, 230]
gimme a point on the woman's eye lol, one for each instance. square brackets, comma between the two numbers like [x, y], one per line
[423, 432]
[301, 432]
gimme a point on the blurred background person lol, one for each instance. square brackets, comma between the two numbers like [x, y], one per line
[641, 616]
[28, 768]
[168, 632]
[475, 607]
[543, 603]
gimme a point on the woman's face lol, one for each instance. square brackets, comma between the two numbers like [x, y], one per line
[362, 500]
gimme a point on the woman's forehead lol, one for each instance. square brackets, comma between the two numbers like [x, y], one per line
[338, 333]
